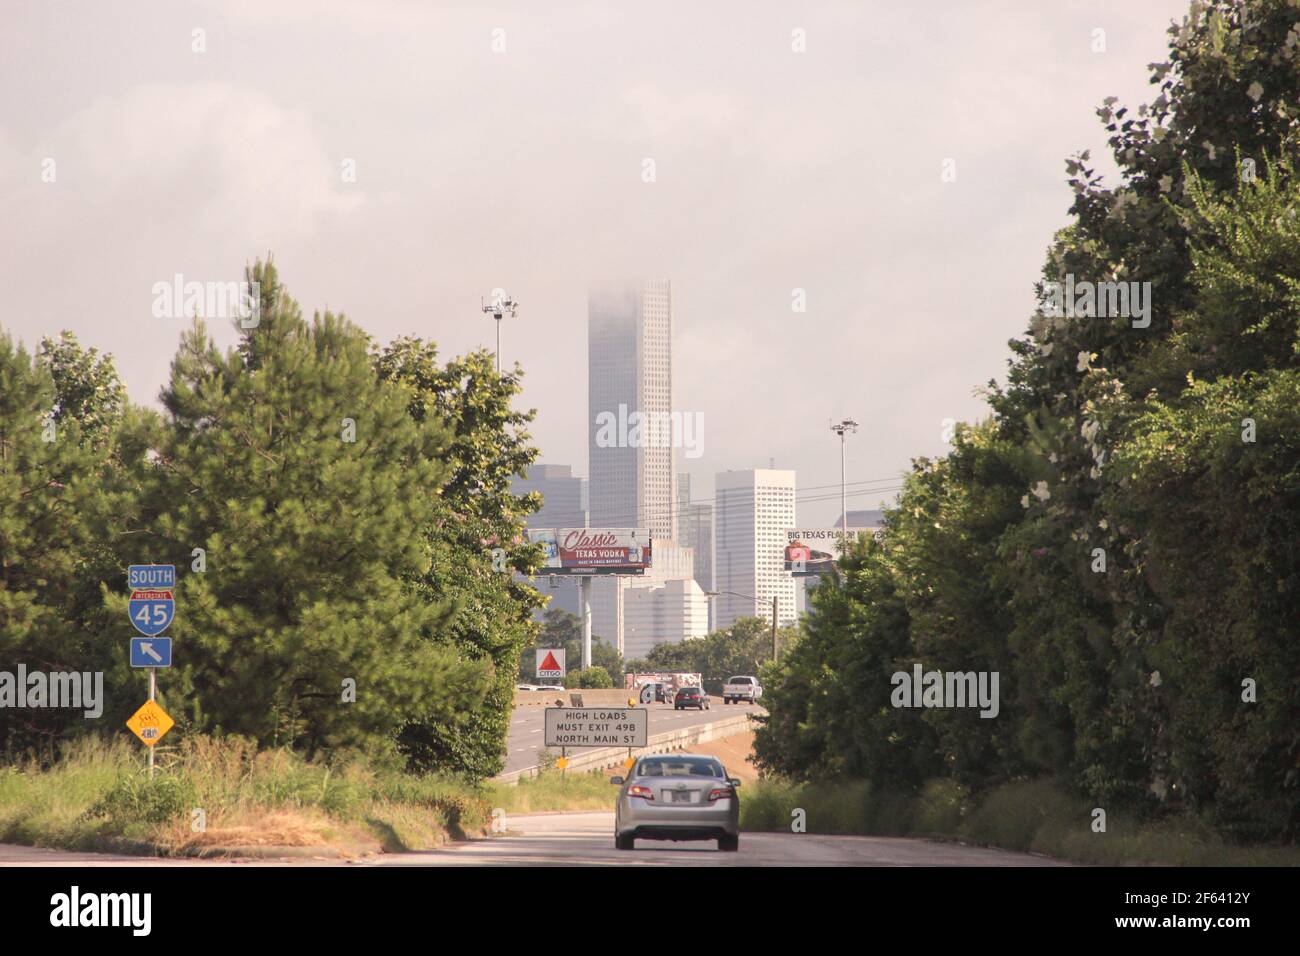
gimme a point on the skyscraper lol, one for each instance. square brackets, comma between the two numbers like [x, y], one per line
[630, 370]
[752, 512]
[695, 530]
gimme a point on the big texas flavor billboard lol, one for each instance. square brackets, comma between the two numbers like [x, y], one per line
[812, 551]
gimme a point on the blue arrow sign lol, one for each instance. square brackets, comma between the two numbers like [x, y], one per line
[151, 652]
[151, 611]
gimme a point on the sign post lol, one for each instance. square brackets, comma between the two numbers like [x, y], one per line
[152, 607]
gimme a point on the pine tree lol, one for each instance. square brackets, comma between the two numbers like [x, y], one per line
[304, 479]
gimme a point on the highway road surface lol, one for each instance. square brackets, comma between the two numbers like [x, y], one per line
[586, 839]
[525, 738]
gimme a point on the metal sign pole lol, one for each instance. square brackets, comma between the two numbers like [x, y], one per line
[153, 693]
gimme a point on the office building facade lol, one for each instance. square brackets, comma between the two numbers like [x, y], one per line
[753, 509]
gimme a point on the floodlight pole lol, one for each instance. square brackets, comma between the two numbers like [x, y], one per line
[848, 425]
[499, 308]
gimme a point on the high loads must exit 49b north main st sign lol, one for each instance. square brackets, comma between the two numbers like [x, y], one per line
[596, 727]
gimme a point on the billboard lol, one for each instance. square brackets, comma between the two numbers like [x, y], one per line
[812, 551]
[593, 550]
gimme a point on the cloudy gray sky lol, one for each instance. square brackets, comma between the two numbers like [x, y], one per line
[522, 168]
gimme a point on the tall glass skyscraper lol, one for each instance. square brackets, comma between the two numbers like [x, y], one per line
[630, 372]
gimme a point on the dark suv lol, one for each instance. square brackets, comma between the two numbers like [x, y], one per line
[691, 697]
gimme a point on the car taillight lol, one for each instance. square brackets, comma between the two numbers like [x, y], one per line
[721, 793]
[641, 792]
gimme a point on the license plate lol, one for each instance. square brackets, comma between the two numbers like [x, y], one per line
[681, 796]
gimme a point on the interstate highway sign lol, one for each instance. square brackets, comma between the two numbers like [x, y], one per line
[152, 606]
[151, 611]
[596, 727]
[151, 652]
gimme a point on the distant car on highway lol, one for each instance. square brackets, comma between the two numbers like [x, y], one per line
[691, 697]
[527, 687]
[741, 688]
[551, 687]
[677, 797]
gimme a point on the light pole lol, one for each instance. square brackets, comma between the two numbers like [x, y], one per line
[750, 597]
[501, 306]
[848, 425]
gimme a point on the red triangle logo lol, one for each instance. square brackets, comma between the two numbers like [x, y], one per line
[549, 663]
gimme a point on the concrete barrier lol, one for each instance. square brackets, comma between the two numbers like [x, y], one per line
[590, 698]
[681, 739]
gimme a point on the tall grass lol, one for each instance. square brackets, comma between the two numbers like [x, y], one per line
[99, 795]
[1034, 816]
[556, 791]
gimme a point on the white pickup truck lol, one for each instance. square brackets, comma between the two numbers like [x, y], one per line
[741, 688]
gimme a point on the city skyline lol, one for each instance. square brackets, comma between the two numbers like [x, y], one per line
[759, 188]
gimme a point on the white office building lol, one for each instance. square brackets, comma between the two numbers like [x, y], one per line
[673, 611]
[752, 511]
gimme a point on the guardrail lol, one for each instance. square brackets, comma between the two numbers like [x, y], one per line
[604, 697]
[679, 739]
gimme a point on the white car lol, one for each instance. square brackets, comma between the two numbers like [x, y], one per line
[740, 688]
[677, 796]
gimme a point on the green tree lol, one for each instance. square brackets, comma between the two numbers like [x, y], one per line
[476, 538]
[741, 648]
[302, 475]
[86, 386]
[56, 500]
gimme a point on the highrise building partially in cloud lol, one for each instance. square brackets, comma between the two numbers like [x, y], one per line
[630, 370]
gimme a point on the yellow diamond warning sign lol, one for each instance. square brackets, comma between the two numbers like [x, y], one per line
[150, 723]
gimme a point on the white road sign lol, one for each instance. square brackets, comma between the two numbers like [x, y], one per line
[596, 727]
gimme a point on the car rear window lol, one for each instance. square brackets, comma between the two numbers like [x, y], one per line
[679, 768]
[741, 680]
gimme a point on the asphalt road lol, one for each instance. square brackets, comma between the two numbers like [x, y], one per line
[587, 839]
[525, 738]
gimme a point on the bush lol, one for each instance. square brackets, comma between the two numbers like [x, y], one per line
[134, 798]
[589, 678]
[1013, 815]
[940, 807]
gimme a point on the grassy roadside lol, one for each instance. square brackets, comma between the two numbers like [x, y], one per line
[99, 798]
[1032, 816]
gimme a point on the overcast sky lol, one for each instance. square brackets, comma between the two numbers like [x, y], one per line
[523, 169]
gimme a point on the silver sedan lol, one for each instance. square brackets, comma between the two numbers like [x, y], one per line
[677, 797]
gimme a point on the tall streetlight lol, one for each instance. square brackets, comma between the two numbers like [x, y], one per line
[848, 425]
[750, 597]
[500, 306]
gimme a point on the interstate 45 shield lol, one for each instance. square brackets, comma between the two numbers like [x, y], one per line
[151, 611]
